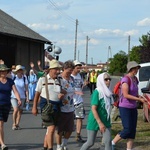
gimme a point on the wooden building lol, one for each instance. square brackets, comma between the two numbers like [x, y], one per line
[19, 44]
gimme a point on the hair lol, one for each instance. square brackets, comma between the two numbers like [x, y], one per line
[68, 64]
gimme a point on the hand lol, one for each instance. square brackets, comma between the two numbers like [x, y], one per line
[142, 99]
[31, 64]
[60, 96]
[27, 101]
[19, 102]
[102, 127]
[79, 92]
[39, 62]
[34, 111]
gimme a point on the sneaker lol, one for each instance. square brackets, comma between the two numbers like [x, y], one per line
[4, 147]
[65, 148]
[18, 127]
[59, 148]
[79, 139]
[113, 147]
[14, 128]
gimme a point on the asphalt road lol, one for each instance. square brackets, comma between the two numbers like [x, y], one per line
[31, 135]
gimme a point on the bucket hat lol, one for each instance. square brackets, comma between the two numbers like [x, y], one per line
[54, 64]
[132, 64]
[3, 67]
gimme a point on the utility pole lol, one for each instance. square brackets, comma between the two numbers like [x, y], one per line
[128, 48]
[109, 53]
[92, 60]
[78, 55]
[75, 47]
[87, 39]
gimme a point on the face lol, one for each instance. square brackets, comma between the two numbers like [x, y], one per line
[107, 80]
[135, 70]
[68, 71]
[77, 69]
[3, 73]
[54, 72]
[20, 71]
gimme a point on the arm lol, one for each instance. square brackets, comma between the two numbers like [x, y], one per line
[39, 65]
[32, 66]
[125, 92]
[16, 94]
[96, 116]
[35, 102]
[27, 92]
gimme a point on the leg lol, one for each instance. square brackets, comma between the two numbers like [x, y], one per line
[90, 86]
[129, 143]
[107, 139]
[91, 135]
[19, 113]
[78, 126]
[49, 136]
[58, 139]
[15, 112]
[78, 130]
[1, 132]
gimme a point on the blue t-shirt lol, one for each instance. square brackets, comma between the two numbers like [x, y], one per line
[5, 91]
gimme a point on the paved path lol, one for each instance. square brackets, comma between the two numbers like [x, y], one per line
[31, 136]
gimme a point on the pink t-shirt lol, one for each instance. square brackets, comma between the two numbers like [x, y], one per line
[133, 90]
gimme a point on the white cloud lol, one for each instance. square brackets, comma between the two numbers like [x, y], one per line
[44, 27]
[144, 22]
[107, 32]
[66, 42]
[131, 32]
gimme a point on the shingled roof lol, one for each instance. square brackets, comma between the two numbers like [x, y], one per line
[12, 27]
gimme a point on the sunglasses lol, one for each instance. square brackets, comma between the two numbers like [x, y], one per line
[106, 79]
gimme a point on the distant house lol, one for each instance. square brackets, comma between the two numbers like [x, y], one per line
[19, 44]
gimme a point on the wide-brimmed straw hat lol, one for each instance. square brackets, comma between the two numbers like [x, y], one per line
[19, 67]
[3, 67]
[54, 64]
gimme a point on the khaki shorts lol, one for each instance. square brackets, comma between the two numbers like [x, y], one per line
[79, 111]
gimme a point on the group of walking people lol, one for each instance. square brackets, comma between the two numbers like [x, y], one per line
[65, 90]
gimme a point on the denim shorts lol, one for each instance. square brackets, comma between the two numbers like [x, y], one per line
[4, 112]
[129, 122]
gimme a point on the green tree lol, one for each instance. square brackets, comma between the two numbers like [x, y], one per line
[135, 54]
[118, 63]
[145, 48]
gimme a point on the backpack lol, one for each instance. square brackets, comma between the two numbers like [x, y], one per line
[117, 91]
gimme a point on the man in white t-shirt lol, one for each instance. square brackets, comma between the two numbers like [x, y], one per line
[78, 100]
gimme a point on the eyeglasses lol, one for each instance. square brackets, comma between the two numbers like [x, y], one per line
[106, 79]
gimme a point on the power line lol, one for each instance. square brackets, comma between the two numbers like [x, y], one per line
[62, 13]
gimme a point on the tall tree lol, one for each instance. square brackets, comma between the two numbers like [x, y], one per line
[145, 48]
[118, 63]
[135, 54]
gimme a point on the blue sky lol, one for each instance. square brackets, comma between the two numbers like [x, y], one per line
[105, 22]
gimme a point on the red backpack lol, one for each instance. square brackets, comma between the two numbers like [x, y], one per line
[117, 91]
